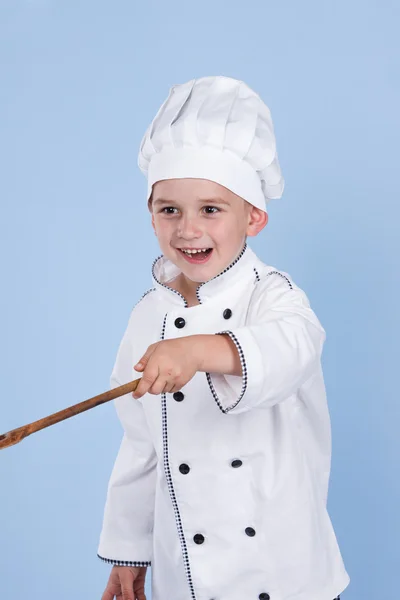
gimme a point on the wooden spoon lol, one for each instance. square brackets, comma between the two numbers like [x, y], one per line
[16, 435]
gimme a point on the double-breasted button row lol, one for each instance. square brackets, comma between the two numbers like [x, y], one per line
[184, 468]
[198, 538]
[262, 596]
[180, 321]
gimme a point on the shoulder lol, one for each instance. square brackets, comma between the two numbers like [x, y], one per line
[141, 313]
[269, 276]
[140, 301]
[276, 285]
[142, 306]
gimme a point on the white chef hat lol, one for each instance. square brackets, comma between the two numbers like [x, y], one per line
[214, 128]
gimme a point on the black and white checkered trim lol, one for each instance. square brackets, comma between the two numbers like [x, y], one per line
[163, 284]
[201, 284]
[222, 272]
[289, 283]
[181, 533]
[145, 294]
[126, 563]
[257, 275]
[244, 375]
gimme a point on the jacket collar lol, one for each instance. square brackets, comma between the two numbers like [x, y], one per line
[241, 269]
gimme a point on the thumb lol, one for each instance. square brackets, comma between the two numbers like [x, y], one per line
[141, 364]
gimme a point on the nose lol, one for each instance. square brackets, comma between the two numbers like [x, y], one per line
[189, 228]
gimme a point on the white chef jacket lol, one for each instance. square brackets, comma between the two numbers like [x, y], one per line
[222, 487]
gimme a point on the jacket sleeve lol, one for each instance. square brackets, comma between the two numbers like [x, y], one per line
[280, 348]
[126, 536]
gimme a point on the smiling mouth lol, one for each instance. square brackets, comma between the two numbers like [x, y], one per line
[196, 257]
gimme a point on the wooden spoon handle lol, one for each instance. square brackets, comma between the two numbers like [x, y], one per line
[16, 435]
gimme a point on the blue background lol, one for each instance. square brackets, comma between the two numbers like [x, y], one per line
[80, 82]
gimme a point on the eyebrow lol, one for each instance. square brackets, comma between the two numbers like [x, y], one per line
[215, 200]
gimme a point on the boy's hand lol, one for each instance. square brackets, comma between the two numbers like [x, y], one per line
[167, 366]
[126, 583]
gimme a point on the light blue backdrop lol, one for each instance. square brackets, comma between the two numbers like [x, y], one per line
[80, 81]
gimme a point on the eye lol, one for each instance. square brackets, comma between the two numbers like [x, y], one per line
[168, 208]
[172, 208]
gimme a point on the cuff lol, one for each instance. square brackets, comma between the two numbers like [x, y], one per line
[126, 563]
[230, 392]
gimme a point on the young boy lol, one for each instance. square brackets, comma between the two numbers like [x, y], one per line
[221, 480]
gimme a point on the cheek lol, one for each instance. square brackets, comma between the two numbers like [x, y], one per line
[227, 230]
[162, 228]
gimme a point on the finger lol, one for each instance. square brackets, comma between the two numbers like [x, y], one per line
[147, 380]
[111, 590]
[162, 382]
[167, 388]
[127, 593]
[139, 588]
[126, 578]
[170, 389]
[142, 362]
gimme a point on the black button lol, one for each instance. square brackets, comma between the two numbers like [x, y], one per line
[236, 463]
[250, 531]
[264, 596]
[184, 468]
[198, 538]
[178, 396]
[227, 313]
[180, 322]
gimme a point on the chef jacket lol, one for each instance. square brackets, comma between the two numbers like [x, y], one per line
[222, 486]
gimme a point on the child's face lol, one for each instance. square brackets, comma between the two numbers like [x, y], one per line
[199, 213]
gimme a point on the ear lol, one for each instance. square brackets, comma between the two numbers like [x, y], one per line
[257, 220]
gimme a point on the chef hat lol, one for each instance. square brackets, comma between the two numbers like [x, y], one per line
[214, 128]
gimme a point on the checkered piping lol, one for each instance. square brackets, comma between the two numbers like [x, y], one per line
[129, 563]
[165, 286]
[201, 284]
[145, 294]
[289, 283]
[178, 520]
[257, 275]
[126, 563]
[167, 469]
[222, 272]
[244, 375]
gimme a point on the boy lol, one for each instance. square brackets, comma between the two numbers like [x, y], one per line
[221, 480]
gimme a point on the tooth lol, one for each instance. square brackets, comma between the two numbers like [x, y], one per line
[194, 251]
